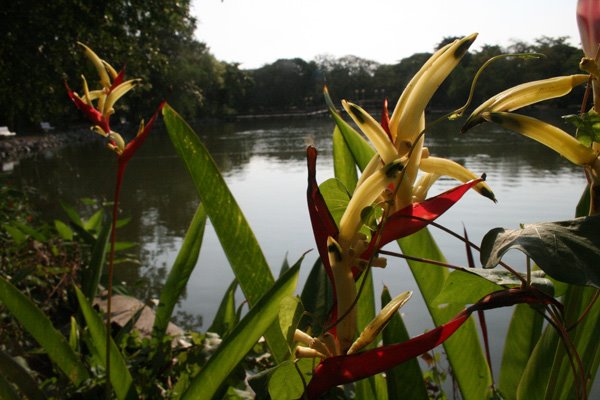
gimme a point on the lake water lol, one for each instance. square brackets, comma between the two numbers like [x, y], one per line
[264, 164]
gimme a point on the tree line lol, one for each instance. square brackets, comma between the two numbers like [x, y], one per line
[154, 39]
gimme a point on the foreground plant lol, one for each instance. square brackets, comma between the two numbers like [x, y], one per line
[388, 203]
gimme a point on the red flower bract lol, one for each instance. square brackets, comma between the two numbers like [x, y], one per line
[334, 371]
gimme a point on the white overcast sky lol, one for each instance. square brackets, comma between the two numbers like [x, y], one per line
[258, 32]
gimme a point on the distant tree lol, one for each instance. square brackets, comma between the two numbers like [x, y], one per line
[39, 51]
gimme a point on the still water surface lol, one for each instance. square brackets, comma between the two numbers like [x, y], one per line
[263, 162]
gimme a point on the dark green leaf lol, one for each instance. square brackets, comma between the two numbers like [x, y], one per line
[568, 251]
[37, 324]
[6, 390]
[537, 372]
[91, 275]
[19, 376]
[225, 319]
[244, 336]
[373, 387]
[463, 349]
[522, 336]
[343, 163]
[120, 378]
[180, 273]
[406, 380]
[237, 239]
[317, 298]
[470, 285]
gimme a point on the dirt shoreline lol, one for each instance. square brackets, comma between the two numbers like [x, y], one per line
[15, 148]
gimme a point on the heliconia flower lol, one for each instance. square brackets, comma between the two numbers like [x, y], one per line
[497, 108]
[342, 266]
[338, 370]
[98, 105]
[547, 134]
[525, 94]
[588, 21]
[388, 182]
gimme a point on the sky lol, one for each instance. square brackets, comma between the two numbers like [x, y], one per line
[258, 32]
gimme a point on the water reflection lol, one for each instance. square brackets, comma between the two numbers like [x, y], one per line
[264, 164]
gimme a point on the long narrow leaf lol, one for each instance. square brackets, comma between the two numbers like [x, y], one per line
[406, 380]
[463, 349]
[374, 386]
[20, 377]
[360, 148]
[40, 328]
[6, 390]
[225, 319]
[120, 377]
[180, 273]
[343, 162]
[237, 239]
[91, 276]
[535, 376]
[242, 338]
[523, 334]
[585, 339]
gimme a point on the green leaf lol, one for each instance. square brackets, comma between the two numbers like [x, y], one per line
[373, 387]
[226, 316]
[94, 221]
[523, 333]
[537, 372]
[244, 336]
[336, 197]
[63, 230]
[237, 239]
[343, 162]
[463, 349]
[461, 288]
[72, 214]
[31, 232]
[361, 150]
[37, 324]
[471, 284]
[568, 251]
[91, 275]
[406, 380]
[289, 316]
[15, 233]
[19, 376]
[588, 126]
[120, 378]
[585, 339]
[6, 390]
[317, 298]
[286, 383]
[121, 246]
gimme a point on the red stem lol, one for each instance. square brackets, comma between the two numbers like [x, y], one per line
[111, 257]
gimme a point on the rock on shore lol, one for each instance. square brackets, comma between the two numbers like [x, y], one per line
[17, 147]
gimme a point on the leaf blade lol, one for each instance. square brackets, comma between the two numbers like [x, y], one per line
[242, 338]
